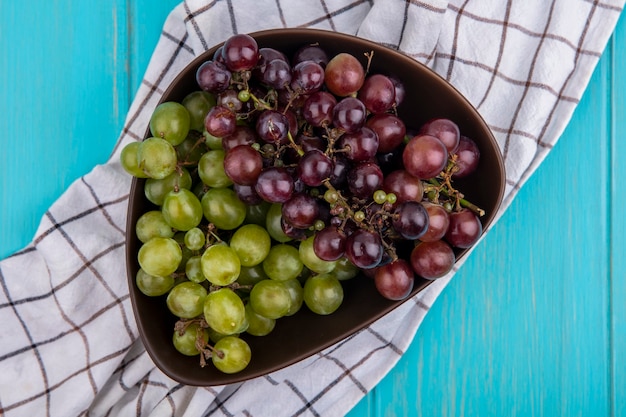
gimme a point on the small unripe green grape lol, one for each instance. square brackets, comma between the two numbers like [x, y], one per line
[252, 244]
[258, 325]
[270, 298]
[195, 239]
[160, 256]
[179, 237]
[211, 169]
[380, 196]
[193, 269]
[186, 300]
[220, 264]
[359, 216]
[296, 292]
[156, 190]
[243, 96]
[182, 210]
[331, 196]
[156, 157]
[152, 224]
[231, 355]
[323, 294]
[392, 198]
[170, 121]
[311, 260]
[151, 285]
[272, 223]
[198, 103]
[282, 262]
[185, 343]
[225, 312]
[129, 160]
[223, 208]
[319, 225]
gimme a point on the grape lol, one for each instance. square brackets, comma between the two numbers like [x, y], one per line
[252, 244]
[160, 256]
[243, 165]
[182, 209]
[230, 100]
[153, 285]
[468, 156]
[198, 104]
[224, 312]
[425, 156]
[438, 222]
[314, 168]
[432, 260]
[349, 114]
[296, 292]
[410, 220]
[344, 75]
[250, 275]
[186, 299]
[257, 213]
[185, 341]
[323, 294]
[464, 229]
[152, 224]
[223, 208]
[240, 52]
[243, 135]
[307, 77]
[390, 130]
[400, 90]
[193, 269]
[220, 264]
[211, 169]
[156, 157]
[377, 93]
[317, 110]
[301, 210]
[195, 239]
[394, 281]
[344, 269]
[248, 195]
[310, 53]
[273, 223]
[360, 145]
[329, 243]
[270, 298]
[272, 126]
[364, 248]
[364, 178]
[282, 263]
[277, 74]
[220, 121]
[405, 186]
[275, 185]
[129, 160]
[213, 77]
[231, 355]
[311, 260]
[170, 121]
[257, 324]
[445, 130]
[155, 190]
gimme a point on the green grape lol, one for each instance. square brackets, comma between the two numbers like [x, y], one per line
[223, 208]
[311, 260]
[170, 121]
[380, 196]
[182, 209]
[231, 355]
[179, 237]
[282, 262]
[212, 142]
[220, 264]
[193, 269]
[129, 160]
[257, 213]
[272, 223]
[185, 341]
[152, 285]
[323, 294]
[160, 256]
[191, 149]
[195, 239]
[344, 269]
[198, 104]
[270, 299]
[156, 190]
[224, 312]
[215, 336]
[257, 324]
[250, 275]
[296, 292]
[186, 300]
[252, 244]
[211, 169]
[152, 224]
[156, 157]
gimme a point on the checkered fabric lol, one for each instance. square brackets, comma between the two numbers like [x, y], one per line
[68, 340]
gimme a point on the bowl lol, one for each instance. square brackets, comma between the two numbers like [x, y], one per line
[304, 334]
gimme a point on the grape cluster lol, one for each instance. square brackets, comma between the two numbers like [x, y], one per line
[279, 178]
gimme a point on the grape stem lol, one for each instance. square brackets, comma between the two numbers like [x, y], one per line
[462, 202]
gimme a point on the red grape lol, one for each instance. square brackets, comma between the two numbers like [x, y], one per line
[344, 75]
[468, 156]
[464, 230]
[425, 156]
[394, 280]
[243, 165]
[431, 260]
[377, 93]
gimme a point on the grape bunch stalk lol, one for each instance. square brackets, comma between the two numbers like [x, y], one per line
[279, 178]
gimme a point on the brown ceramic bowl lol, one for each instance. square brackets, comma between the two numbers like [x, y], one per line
[305, 333]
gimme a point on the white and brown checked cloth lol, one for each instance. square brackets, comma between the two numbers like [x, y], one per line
[68, 341]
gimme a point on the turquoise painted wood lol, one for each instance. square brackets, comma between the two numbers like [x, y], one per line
[534, 324]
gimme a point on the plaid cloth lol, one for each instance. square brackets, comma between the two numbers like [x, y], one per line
[68, 341]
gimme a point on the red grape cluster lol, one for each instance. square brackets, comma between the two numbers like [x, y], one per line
[320, 136]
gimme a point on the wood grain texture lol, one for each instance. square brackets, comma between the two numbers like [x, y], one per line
[534, 324]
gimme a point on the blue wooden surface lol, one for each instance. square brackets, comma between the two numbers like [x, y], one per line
[534, 324]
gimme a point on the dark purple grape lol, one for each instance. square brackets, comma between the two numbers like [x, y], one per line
[301, 210]
[314, 167]
[230, 100]
[464, 229]
[247, 194]
[292, 231]
[405, 186]
[360, 145]
[445, 130]
[377, 93]
[310, 53]
[240, 52]
[425, 156]
[390, 130]
[400, 90]
[218, 55]
[277, 74]
[410, 220]
[220, 121]
[307, 77]
[349, 114]
[364, 178]
[364, 248]
[468, 156]
[317, 110]
[394, 280]
[438, 222]
[275, 185]
[340, 172]
[272, 126]
[432, 260]
[243, 165]
[213, 77]
[243, 135]
[329, 243]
